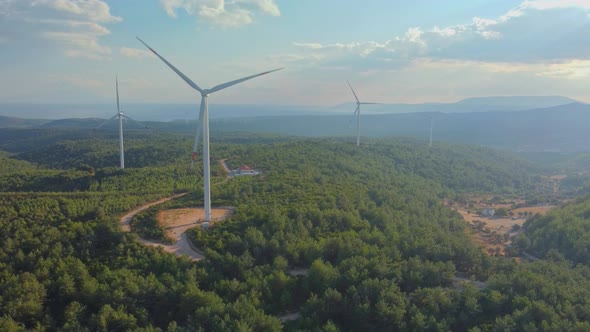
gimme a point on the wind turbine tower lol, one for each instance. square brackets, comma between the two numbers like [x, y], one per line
[357, 112]
[120, 115]
[204, 123]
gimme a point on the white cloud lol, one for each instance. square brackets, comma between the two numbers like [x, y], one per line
[222, 13]
[93, 10]
[540, 31]
[80, 45]
[552, 4]
[75, 26]
[135, 53]
[575, 69]
[313, 46]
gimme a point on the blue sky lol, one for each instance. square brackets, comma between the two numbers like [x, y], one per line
[390, 50]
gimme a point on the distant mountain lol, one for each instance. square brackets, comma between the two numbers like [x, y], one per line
[13, 122]
[562, 128]
[169, 112]
[150, 112]
[90, 123]
[74, 123]
[513, 103]
[479, 104]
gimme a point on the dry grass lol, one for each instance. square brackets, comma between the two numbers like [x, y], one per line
[491, 236]
[532, 210]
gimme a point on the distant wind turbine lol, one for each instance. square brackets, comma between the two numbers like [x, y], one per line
[204, 121]
[357, 111]
[121, 116]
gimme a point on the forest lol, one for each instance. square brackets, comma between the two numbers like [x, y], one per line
[378, 248]
[563, 234]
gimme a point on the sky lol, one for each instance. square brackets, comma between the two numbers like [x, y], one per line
[391, 51]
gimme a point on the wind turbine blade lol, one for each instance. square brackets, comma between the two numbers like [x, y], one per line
[186, 79]
[351, 89]
[198, 134]
[105, 122]
[240, 80]
[133, 120]
[353, 116]
[117, 88]
[363, 103]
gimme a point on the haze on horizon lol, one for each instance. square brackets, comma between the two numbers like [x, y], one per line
[392, 51]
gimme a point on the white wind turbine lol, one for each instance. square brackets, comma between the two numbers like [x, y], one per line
[204, 121]
[121, 116]
[357, 111]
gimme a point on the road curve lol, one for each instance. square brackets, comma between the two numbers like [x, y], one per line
[182, 245]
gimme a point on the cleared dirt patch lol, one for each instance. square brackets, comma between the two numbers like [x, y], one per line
[493, 233]
[532, 210]
[177, 221]
[126, 219]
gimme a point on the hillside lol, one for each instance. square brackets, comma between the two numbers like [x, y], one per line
[560, 129]
[14, 122]
[365, 228]
[458, 167]
[563, 233]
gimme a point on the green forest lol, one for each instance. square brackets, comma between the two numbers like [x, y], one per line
[342, 237]
[563, 234]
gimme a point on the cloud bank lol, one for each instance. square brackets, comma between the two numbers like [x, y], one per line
[535, 32]
[227, 14]
[75, 26]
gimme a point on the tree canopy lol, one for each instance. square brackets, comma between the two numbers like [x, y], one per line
[350, 239]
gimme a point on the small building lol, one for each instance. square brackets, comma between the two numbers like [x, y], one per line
[245, 170]
[488, 212]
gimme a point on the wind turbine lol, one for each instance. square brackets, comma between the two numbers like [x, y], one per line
[121, 116]
[357, 112]
[204, 121]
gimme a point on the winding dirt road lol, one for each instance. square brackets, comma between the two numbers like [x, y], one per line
[182, 245]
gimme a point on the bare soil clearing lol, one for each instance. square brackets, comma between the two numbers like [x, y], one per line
[493, 233]
[126, 219]
[176, 221]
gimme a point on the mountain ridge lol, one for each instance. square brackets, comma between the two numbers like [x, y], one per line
[169, 112]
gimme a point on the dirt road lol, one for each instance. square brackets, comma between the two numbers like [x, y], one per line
[223, 163]
[182, 245]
